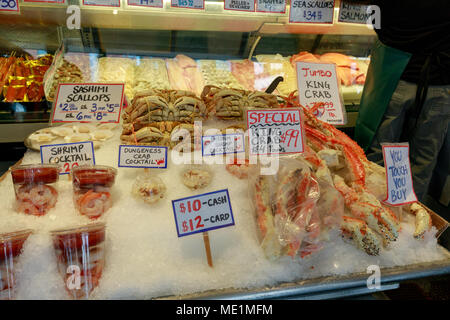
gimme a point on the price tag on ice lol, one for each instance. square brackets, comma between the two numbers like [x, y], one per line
[271, 6]
[189, 4]
[203, 212]
[275, 131]
[353, 13]
[317, 82]
[68, 155]
[240, 5]
[142, 156]
[312, 11]
[9, 5]
[88, 102]
[223, 144]
[102, 3]
[146, 3]
[398, 174]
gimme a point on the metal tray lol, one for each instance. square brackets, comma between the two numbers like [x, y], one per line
[328, 287]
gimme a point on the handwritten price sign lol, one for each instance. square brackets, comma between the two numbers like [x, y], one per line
[102, 3]
[240, 5]
[398, 174]
[189, 4]
[271, 6]
[88, 102]
[223, 144]
[9, 5]
[312, 11]
[317, 82]
[203, 212]
[142, 157]
[275, 131]
[68, 155]
[146, 3]
[353, 13]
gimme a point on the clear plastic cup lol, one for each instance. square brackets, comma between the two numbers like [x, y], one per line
[34, 186]
[10, 249]
[80, 254]
[91, 189]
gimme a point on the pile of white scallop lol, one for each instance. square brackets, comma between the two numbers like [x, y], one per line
[68, 133]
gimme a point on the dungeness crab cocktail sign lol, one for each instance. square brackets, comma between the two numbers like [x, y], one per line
[275, 131]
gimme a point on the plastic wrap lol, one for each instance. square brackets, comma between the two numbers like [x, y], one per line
[91, 189]
[80, 256]
[150, 73]
[286, 209]
[117, 69]
[184, 74]
[34, 186]
[218, 73]
[10, 249]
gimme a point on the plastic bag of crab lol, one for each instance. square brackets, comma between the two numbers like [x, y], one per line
[289, 216]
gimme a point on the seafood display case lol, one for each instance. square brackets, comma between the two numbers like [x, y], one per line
[313, 229]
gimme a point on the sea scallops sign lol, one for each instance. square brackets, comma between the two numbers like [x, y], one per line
[88, 102]
[311, 11]
[398, 174]
[275, 131]
[317, 82]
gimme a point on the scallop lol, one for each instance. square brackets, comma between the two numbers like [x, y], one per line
[83, 128]
[101, 135]
[40, 138]
[107, 126]
[62, 131]
[77, 137]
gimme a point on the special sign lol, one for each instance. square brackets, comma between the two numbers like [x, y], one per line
[275, 131]
[68, 155]
[317, 82]
[203, 212]
[88, 102]
[398, 174]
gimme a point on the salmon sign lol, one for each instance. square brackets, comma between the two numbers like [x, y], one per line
[275, 131]
[317, 82]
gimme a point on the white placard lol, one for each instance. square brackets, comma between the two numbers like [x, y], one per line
[102, 3]
[88, 102]
[275, 131]
[353, 13]
[146, 3]
[398, 174]
[189, 4]
[9, 5]
[312, 11]
[203, 212]
[68, 155]
[317, 82]
[240, 5]
[223, 144]
[271, 6]
[47, 1]
[142, 156]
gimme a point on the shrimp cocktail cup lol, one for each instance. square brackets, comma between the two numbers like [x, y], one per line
[34, 186]
[80, 254]
[10, 249]
[91, 189]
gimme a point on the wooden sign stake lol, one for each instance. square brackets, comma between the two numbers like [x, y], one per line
[207, 249]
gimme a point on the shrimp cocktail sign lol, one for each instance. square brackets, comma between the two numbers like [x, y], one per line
[275, 131]
[68, 155]
[398, 174]
[88, 102]
[317, 83]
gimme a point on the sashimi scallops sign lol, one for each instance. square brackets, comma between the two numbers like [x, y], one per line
[88, 102]
[275, 131]
[318, 83]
